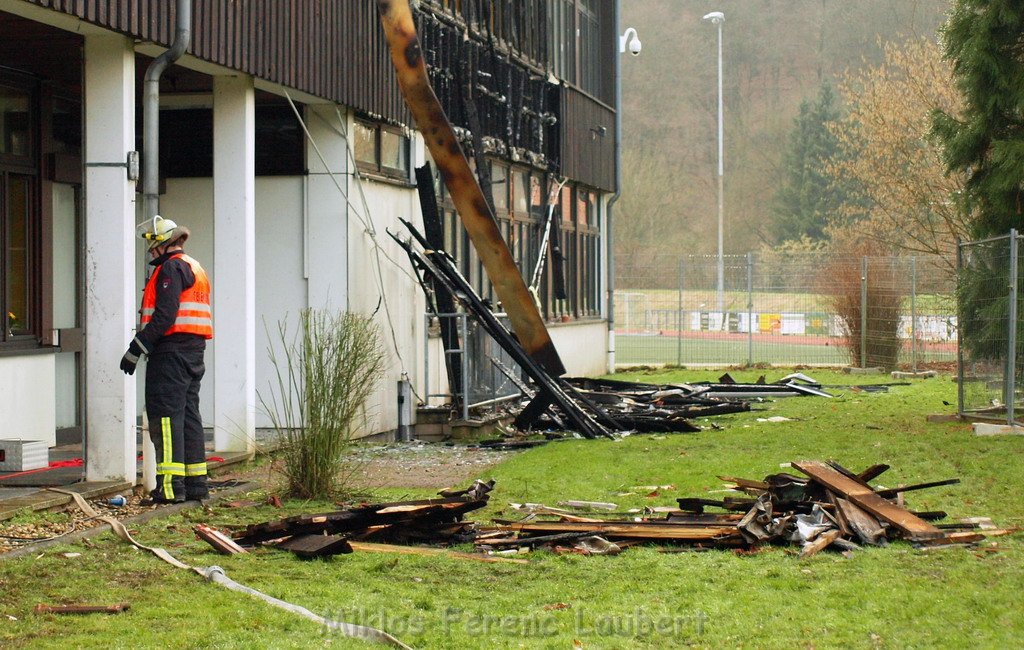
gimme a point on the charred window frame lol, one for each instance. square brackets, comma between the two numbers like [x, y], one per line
[588, 233]
[382, 150]
[565, 309]
[577, 217]
[20, 216]
[590, 58]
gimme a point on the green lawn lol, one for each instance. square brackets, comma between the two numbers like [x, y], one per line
[884, 597]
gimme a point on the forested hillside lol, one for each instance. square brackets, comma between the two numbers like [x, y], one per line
[777, 54]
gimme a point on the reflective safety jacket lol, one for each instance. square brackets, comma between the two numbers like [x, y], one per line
[194, 315]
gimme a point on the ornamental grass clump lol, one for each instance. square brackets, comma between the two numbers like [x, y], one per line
[324, 373]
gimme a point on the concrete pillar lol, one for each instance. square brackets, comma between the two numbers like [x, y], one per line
[234, 263]
[326, 211]
[110, 298]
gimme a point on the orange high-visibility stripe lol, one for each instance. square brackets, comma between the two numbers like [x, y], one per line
[194, 314]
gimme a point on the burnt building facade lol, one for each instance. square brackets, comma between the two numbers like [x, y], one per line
[287, 148]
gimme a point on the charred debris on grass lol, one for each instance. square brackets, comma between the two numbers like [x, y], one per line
[823, 506]
[591, 408]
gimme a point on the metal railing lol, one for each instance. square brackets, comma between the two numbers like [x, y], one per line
[484, 365]
[787, 309]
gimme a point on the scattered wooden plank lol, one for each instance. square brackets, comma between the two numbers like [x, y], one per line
[425, 551]
[729, 503]
[309, 546]
[819, 543]
[218, 540]
[873, 472]
[632, 530]
[891, 492]
[745, 483]
[81, 609]
[954, 538]
[913, 527]
[533, 541]
[844, 523]
[589, 505]
[847, 473]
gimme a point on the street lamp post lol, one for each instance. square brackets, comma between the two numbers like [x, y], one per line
[628, 41]
[717, 18]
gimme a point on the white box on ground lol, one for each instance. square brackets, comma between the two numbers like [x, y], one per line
[22, 455]
[990, 429]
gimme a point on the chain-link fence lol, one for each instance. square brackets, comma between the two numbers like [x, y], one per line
[786, 309]
[990, 353]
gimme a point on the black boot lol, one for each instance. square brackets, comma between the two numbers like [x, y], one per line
[157, 497]
[196, 488]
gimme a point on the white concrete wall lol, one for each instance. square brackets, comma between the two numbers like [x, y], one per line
[26, 398]
[280, 285]
[387, 280]
[581, 346]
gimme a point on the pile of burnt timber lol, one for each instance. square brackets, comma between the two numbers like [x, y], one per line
[830, 507]
[433, 521]
[793, 385]
[554, 402]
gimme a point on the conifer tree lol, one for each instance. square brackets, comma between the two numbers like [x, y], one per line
[804, 203]
[983, 40]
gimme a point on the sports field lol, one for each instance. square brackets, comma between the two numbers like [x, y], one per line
[731, 349]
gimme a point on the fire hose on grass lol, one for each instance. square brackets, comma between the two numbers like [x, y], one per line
[216, 575]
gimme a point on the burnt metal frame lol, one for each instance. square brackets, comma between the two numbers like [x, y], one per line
[440, 268]
[478, 219]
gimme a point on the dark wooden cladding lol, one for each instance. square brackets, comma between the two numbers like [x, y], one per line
[333, 49]
[588, 140]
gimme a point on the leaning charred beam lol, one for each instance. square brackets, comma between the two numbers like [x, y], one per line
[480, 224]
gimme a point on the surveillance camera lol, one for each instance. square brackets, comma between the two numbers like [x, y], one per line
[629, 39]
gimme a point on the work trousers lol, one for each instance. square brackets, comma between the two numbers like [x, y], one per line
[172, 404]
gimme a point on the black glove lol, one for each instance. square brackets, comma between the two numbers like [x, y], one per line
[131, 358]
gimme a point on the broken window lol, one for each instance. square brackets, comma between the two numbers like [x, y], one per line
[381, 150]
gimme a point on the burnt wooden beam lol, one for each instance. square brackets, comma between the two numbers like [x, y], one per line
[310, 546]
[81, 609]
[891, 492]
[873, 472]
[911, 526]
[476, 216]
[440, 267]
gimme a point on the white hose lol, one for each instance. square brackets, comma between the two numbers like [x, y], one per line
[217, 575]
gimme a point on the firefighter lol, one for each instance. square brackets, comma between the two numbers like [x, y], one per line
[175, 325]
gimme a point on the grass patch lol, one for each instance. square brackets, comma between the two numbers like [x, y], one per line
[893, 597]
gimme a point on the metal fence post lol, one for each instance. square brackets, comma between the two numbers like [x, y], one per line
[959, 332]
[426, 359]
[679, 316]
[913, 313]
[864, 312]
[464, 326]
[750, 308]
[1011, 354]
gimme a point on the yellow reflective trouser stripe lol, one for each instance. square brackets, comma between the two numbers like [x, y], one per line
[174, 469]
[195, 469]
[165, 426]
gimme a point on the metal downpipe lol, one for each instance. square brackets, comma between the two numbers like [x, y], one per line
[609, 222]
[151, 108]
[151, 169]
